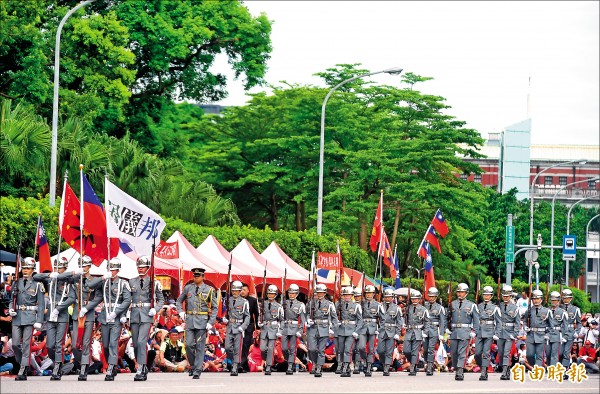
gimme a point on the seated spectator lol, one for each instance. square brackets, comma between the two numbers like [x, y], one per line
[471, 365]
[7, 357]
[587, 356]
[574, 352]
[399, 362]
[301, 355]
[255, 361]
[96, 361]
[441, 358]
[156, 339]
[213, 361]
[330, 356]
[39, 361]
[522, 355]
[172, 357]
[279, 362]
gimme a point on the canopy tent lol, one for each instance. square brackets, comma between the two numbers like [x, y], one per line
[8, 257]
[275, 255]
[213, 250]
[349, 276]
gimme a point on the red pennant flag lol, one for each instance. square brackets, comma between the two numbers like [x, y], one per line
[385, 251]
[377, 225]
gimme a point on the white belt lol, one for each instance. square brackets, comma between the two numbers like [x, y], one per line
[27, 308]
[418, 326]
[113, 305]
[461, 325]
[435, 323]
[348, 322]
[295, 323]
[487, 322]
[321, 321]
[538, 329]
[369, 320]
[273, 322]
[556, 328]
[389, 325]
[141, 304]
[508, 324]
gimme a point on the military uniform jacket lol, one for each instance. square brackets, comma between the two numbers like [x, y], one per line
[350, 318]
[295, 317]
[117, 298]
[324, 316]
[464, 318]
[370, 316]
[510, 321]
[272, 318]
[390, 320]
[437, 319]
[202, 304]
[489, 320]
[574, 322]
[540, 322]
[140, 299]
[559, 321]
[60, 293]
[417, 320]
[91, 294]
[30, 302]
[238, 313]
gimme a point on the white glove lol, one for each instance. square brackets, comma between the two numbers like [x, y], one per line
[355, 335]
[546, 337]
[208, 326]
[240, 329]
[424, 335]
[472, 334]
[563, 340]
[299, 334]
[78, 271]
[54, 315]
[397, 337]
[309, 322]
[107, 275]
[123, 319]
[495, 337]
[152, 312]
[112, 316]
[376, 332]
[37, 326]
[225, 320]
[53, 275]
[448, 331]
[331, 333]
[279, 335]
[527, 329]
[12, 312]
[513, 338]
[83, 311]
[260, 324]
[182, 315]
[441, 337]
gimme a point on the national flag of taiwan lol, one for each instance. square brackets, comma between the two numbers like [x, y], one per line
[42, 242]
[377, 225]
[431, 237]
[397, 268]
[385, 250]
[440, 224]
[422, 249]
[429, 278]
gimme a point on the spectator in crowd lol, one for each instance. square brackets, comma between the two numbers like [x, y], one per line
[5, 317]
[39, 360]
[279, 361]
[399, 362]
[213, 360]
[441, 358]
[8, 363]
[592, 332]
[330, 356]
[523, 303]
[574, 352]
[471, 364]
[247, 341]
[587, 356]
[301, 355]
[255, 355]
[172, 357]
[96, 361]
[522, 355]
[156, 339]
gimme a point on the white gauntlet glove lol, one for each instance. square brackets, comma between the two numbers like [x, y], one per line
[448, 331]
[441, 337]
[37, 326]
[78, 271]
[424, 335]
[331, 333]
[152, 312]
[397, 337]
[83, 311]
[123, 319]
[225, 320]
[54, 315]
[376, 332]
[208, 326]
[309, 323]
[111, 316]
[12, 312]
[107, 275]
[240, 329]
[527, 329]
[53, 275]
[182, 315]
[299, 334]
[355, 335]
[472, 334]
[279, 334]
[495, 337]
[260, 324]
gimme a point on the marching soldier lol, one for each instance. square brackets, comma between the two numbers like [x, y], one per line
[368, 332]
[270, 327]
[88, 297]
[27, 313]
[238, 312]
[573, 326]
[292, 326]
[510, 323]
[349, 325]
[117, 298]
[61, 295]
[355, 352]
[559, 321]
[489, 328]
[437, 327]
[463, 323]
[538, 320]
[417, 326]
[142, 313]
[319, 329]
[390, 323]
[200, 314]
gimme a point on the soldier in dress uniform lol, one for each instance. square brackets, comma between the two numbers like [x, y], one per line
[200, 313]
[61, 295]
[368, 332]
[463, 323]
[88, 296]
[292, 326]
[489, 329]
[390, 324]
[238, 318]
[143, 310]
[270, 327]
[559, 321]
[358, 298]
[117, 298]
[27, 314]
[349, 325]
[325, 320]
[417, 326]
[437, 327]
[573, 325]
[538, 322]
[510, 323]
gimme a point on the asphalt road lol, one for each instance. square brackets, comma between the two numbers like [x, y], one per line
[167, 383]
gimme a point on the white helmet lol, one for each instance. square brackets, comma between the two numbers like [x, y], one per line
[433, 292]
[115, 264]
[555, 296]
[320, 288]
[462, 287]
[236, 285]
[507, 290]
[272, 289]
[566, 293]
[62, 262]
[28, 262]
[388, 293]
[293, 288]
[358, 292]
[487, 290]
[347, 290]
[85, 261]
[536, 294]
[143, 261]
[415, 294]
[369, 289]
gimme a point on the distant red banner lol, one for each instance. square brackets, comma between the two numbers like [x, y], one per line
[167, 250]
[328, 261]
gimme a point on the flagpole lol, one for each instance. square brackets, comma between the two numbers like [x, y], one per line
[106, 218]
[37, 235]
[65, 177]
[81, 226]
[379, 259]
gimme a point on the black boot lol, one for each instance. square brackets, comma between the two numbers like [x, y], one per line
[429, 370]
[82, 373]
[386, 370]
[110, 373]
[318, 372]
[368, 371]
[234, 370]
[484, 374]
[22, 375]
[139, 376]
[290, 369]
[338, 370]
[145, 372]
[268, 370]
[412, 370]
[56, 372]
[505, 373]
[459, 374]
[196, 374]
[346, 370]
[356, 368]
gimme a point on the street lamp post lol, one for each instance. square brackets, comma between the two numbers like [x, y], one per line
[587, 236]
[552, 230]
[418, 271]
[53, 153]
[579, 161]
[571, 208]
[393, 71]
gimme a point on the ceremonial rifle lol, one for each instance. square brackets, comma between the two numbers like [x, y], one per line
[498, 293]
[264, 288]
[449, 324]
[283, 292]
[151, 290]
[15, 283]
[228, 288]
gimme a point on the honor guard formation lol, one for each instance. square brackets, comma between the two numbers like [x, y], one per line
[70, 322]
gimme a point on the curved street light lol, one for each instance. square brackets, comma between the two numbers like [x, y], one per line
[392, 71]
[571, 208]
